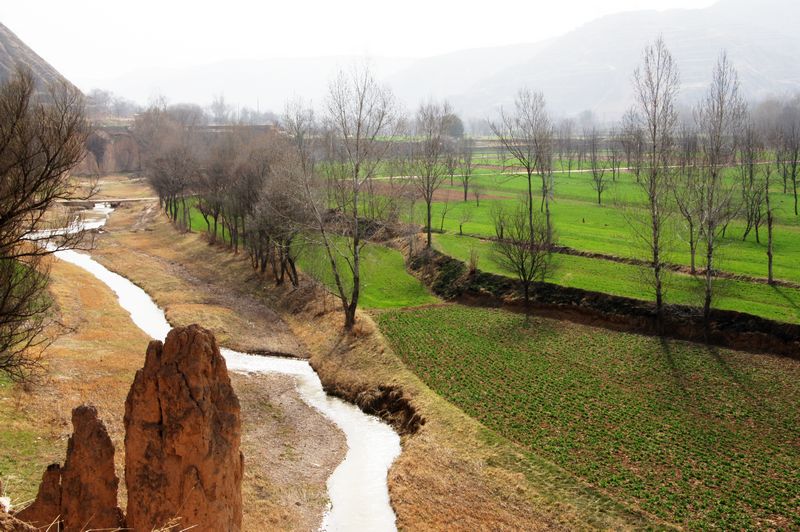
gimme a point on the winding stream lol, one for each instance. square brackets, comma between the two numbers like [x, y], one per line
[357, 489]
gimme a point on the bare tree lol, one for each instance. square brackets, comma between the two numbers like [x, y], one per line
[566, 144]
[451, 161]
[655, 84]
[752, 185]
[477, 192]
[362, 118]
[596, 162]
[687, 188]
[632, 138]
[220, 110]
[464, 217]
[789, 149]
[521, 250]
[770, 221]
[42, 138]
[528, 136]
[719, 118]
[443, 215]
[466, 149]
[431, 153]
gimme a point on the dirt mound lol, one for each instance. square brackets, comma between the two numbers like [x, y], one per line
[83, 494]
[182, 437]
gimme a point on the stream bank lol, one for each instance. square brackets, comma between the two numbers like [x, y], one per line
[357, 488]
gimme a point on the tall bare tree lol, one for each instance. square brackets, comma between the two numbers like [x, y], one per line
[789, 148]
[42, 137]
[687, 188]
[362, 118]
[752, 185]
[565, 143]
[719, 117]
[655, 84]
[431, 153]
[520, 249]
[767, 169]
[528, 136]
[597, 164]
[632, 138]
[466, 150]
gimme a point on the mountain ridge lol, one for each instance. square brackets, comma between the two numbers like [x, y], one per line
[14, 52]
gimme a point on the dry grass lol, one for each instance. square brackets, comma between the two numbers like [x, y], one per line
[118, 187]
[454, 473]
[93, 362]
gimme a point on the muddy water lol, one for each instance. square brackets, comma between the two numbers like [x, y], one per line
[359, 495]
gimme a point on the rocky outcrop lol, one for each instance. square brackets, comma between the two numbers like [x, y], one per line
[46, 508]
[182, 461]
[182, 437]
[83, 494]
[9, 523]
[88, 480]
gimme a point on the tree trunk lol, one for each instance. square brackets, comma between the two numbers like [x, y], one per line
[709, 280]
[428, 206]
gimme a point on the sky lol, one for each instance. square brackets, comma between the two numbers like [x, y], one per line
[92, 40]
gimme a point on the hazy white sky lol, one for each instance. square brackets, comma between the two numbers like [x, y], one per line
[92, 40]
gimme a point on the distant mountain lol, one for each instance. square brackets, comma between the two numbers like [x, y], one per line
[14, 52]
[457, 73]
[589, 68]
[592, 66]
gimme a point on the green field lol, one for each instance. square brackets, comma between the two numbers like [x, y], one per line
[703, 437]
[385, 281]
[580, 223]
[773, 302]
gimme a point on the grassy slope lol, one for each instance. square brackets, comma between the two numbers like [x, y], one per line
[782, 304]
[695, 435]
[385, 282]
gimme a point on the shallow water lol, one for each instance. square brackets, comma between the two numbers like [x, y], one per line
[357, 489]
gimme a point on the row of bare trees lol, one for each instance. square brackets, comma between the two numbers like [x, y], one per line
[696, 176]
[317, 183]
[706, 172]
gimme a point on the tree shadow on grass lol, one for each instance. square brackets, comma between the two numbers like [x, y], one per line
[739, 378]
[678, 376]
[782, 293]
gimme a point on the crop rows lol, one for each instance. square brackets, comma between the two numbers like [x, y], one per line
[695, 435]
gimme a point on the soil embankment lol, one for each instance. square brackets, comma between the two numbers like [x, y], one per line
[450, 278]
